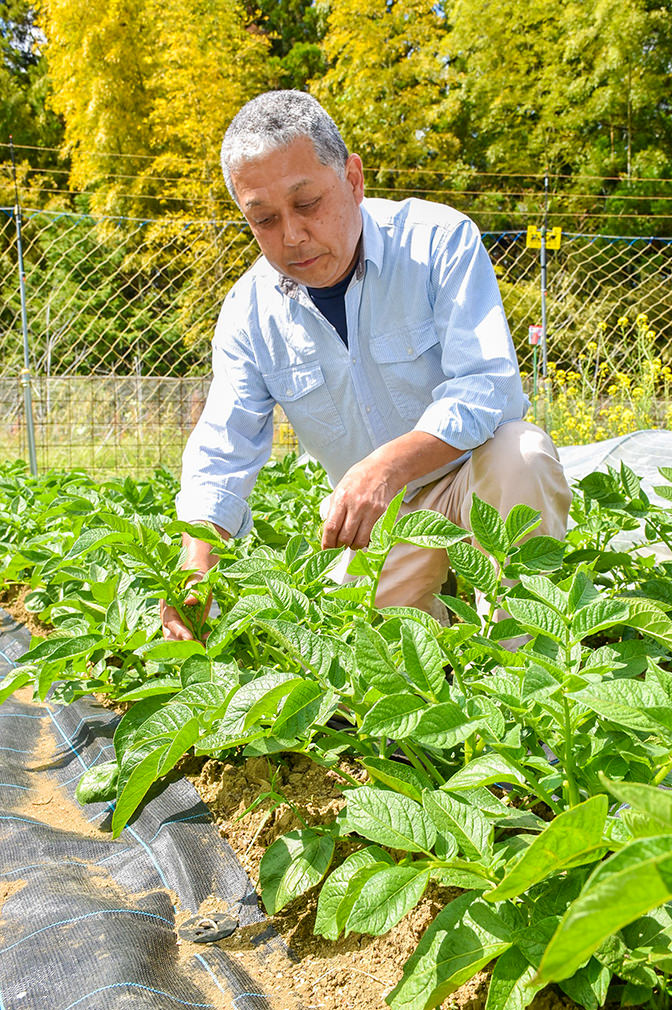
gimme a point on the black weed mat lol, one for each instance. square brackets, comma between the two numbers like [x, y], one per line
[88, 922]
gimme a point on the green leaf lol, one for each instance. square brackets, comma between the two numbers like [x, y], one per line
[464, 937]
[572, 837]
[389, 819]
[537, 618]
[443, 725]
[300, 709]
[98, 784]
[474, 566]
[647, 617]
[457, 818]
[234, 722]
[483, 771]
[630, 703]
[423, 660]
[601, 613]
[59, 647]
[385, 899]
[381, 533]
[318, 566]
[425, 528]
[546, 591]
[521, 520]
[314, 651]
[589, 985]
[139, 769]
[336, 885]
[489, 528]
[131, 721]
[292, 865]
[374, 661]
[395, 716]
[541, 553]
[161, 652]
[513, 984]
[13, 681]
[630, 883]
[401, 777]
[651, 800]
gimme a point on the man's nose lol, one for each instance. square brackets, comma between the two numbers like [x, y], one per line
[294, 230]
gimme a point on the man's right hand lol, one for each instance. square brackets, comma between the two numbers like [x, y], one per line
[200, 558]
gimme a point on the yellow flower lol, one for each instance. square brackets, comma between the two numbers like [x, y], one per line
[642, 319]
[623, 321]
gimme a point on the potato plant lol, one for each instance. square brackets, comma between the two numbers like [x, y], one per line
[536, 781]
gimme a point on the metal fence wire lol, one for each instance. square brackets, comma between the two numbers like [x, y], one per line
[121, 313]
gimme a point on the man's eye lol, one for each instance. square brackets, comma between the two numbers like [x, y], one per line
[308, 204]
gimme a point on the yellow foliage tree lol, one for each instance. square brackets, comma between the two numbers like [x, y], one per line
[386, 83]
[146, 89]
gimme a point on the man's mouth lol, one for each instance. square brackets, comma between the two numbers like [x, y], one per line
[302, 264]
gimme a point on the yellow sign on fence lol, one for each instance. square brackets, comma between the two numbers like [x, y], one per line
[533, 240]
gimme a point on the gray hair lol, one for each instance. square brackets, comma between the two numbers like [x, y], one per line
[274, 120]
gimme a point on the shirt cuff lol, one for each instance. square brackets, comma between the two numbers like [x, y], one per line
[444, 419]
[224, 508]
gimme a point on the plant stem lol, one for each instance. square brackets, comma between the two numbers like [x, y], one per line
[572, 790]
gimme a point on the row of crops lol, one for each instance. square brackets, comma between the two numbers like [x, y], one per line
[536, 782]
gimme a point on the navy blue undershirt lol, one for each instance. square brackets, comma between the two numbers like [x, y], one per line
[331, 303]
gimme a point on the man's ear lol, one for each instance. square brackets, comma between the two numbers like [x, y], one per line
[354, 174]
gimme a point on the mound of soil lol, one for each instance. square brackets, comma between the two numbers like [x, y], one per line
[254, 802]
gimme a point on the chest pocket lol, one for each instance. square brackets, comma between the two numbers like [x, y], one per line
[410, 366]
[305, 399]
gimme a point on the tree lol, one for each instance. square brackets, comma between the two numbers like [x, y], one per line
[386, 85]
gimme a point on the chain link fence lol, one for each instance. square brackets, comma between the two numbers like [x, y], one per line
[121, 312]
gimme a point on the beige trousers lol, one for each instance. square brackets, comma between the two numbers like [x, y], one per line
[518, 465]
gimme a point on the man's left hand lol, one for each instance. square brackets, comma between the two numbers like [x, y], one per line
[368, 487]
[360, 498]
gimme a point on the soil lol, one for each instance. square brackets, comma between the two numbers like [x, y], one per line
[12, 599]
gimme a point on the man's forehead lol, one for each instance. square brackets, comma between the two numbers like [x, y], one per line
[255, 201]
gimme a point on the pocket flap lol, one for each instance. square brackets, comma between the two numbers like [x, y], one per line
[292, 383]
[404, 345]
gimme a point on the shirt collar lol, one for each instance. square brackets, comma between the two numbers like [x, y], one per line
[370, 248]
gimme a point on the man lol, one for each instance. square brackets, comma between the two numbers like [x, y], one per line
[379, 328]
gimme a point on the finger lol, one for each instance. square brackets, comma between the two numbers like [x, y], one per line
[174, 629]
[332, 526]
[362, 537]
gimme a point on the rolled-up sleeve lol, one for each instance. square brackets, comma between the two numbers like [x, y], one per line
[232, 439]
[482, 386]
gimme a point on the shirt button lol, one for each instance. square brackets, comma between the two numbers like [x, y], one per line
[354, 361]
[368, 410]
[410, 350]
[288, 392]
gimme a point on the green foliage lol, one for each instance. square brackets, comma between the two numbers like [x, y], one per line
[536, 781]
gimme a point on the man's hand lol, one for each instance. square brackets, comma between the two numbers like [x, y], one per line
[359, 499]
[201, 557]
[368, 487]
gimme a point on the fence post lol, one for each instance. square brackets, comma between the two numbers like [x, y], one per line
[25, 371]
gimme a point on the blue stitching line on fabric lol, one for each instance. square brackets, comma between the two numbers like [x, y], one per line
[15, 750]
[19, 715]
[10, 785]
[6, 658]
[127, 828]
[80, 918]
[201, 960]
[67, 740]
[145, 988]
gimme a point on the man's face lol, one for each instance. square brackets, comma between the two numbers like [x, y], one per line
[305, 217]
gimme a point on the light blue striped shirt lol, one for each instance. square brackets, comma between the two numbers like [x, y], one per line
[429, 349]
